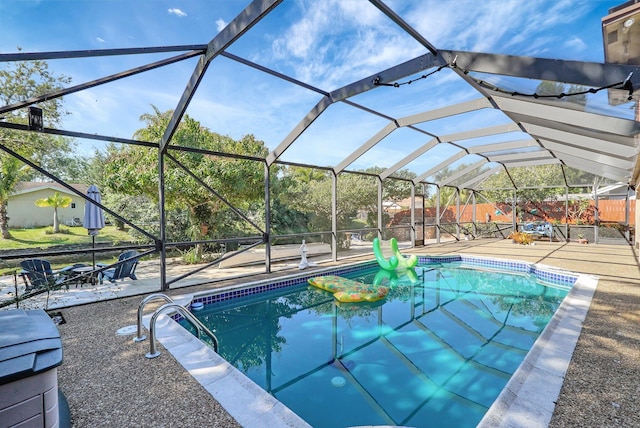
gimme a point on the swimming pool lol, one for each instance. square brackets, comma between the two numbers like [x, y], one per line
[440, 349]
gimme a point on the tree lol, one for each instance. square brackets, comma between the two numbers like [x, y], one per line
[538, 181]
[355, 193]
[11, 173]
[133, 170]
[61, 162]
[56, 201]
[20, 81]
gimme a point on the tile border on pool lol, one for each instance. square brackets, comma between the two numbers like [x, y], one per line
[528, 399]
[545, 274]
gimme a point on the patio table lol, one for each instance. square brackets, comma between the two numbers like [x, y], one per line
[79, 274]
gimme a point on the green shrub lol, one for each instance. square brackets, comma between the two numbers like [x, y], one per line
[62, 229]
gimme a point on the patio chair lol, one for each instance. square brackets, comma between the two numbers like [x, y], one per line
[37, 273]
[73, 222]
[123, 270]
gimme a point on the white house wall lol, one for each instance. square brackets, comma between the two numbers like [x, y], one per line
[23, 212]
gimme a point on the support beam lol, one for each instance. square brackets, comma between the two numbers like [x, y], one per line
[564, 151]
[579, 141]
[514, 214]
[506, 146]
[403, 24]
[334, 217]
[517, 164]
[161, 243]
[596, 214]
[407, 68]
[596, 168]
[249, 17]
[457, 193]
[439, 113]
[413, 215]
[411, 157]
[474, 217]
[47, 56]
[568, 116]
[575, 72]
[380, 224]
[524, 119]
[447, 181]
[526, 156]
[438, 214]
[267, 217]
[388, 129]
[98, 82]
[458, 136]
[460, 154]
[479, 178]
[480, 132]
[315, 112]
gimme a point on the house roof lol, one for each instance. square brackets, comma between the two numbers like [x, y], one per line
[34, 186]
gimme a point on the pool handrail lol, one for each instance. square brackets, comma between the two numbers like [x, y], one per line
[153, 352]
[139, 336]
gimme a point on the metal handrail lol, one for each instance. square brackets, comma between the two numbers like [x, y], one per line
[153, 352]
[139, 336]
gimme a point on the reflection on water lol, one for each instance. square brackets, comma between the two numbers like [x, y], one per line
[439, 349]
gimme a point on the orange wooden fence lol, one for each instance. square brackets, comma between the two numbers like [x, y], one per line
[609, 211]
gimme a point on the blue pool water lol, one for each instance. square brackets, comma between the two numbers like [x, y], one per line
[436, 352]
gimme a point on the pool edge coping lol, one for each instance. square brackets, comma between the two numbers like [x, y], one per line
[512, 408]
[529, 397]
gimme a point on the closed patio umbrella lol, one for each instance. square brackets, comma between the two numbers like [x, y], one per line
[93, 217]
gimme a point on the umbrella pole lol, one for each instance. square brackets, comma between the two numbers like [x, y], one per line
[93, 253]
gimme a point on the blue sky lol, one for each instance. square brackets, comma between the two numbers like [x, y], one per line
[328, 44]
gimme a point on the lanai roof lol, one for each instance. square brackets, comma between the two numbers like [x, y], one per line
[400, 95]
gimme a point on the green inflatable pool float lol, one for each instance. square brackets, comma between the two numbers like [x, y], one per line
[397, 260]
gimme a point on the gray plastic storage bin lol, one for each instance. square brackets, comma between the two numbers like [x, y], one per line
[30, 352]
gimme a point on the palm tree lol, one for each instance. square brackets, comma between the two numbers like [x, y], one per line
[56, 201]
[11, 172]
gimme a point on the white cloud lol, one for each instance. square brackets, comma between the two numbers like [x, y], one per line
[99, 39]
[499, 26]
[177, 12]
[322, 49]
[220, 24]
[575, 43]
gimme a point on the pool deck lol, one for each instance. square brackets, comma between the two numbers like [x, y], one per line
[108, 382]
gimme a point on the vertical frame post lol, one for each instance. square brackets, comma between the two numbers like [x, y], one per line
[566, 213]
[473, 213]
[413, 215]
[514, 214]
[380, 225]
[438, 214]
[161, 244]
[457, 213]
[267, 217]
[334, 216]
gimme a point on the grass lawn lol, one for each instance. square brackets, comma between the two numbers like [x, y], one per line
[38, 238]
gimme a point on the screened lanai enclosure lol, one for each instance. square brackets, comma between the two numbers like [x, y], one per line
[335, 123]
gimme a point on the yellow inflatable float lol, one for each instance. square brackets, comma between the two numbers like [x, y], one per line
[347, 290]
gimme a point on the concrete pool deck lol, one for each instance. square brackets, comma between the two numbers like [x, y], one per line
[108, 382]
